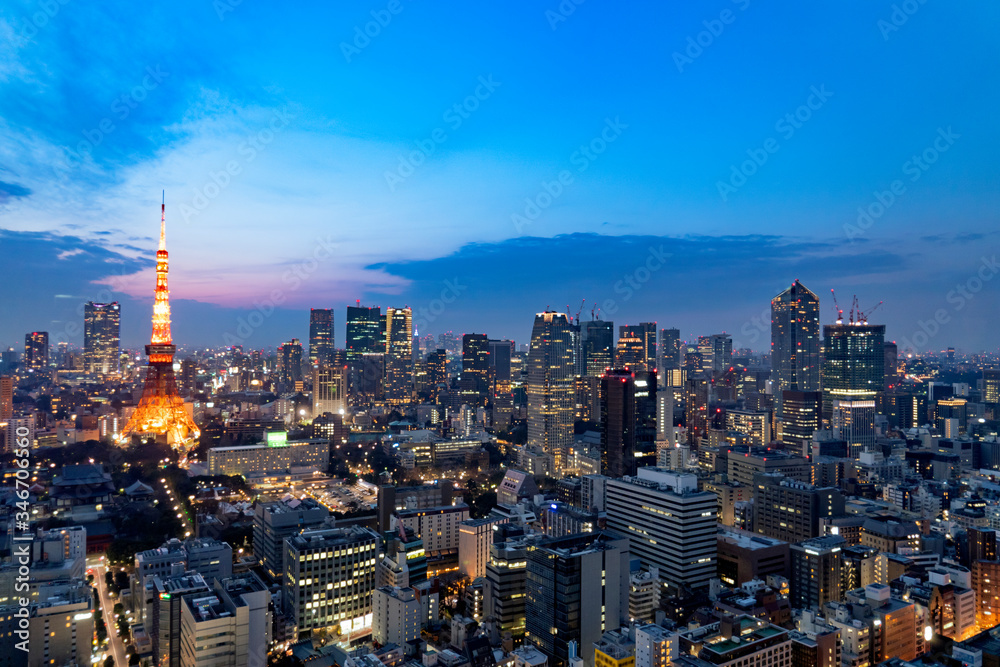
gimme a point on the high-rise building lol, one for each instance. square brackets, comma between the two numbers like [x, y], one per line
[364, 331]
[502, 397]
[669, 349]
[816, 572]
[101, 337]
[669, 523]
[437, 373]
[506, 573]
[655, 646]
[161, 410]
[36, 350]
[476, 366]
[696, 396]
[290, 363]
[329, 389]
[551, 386]
[755, 425]
[795, 359]
[853, 364]
[891, 364]
[802, 417]
[631, 350]
[320, 336]
[398, 355]
[853, 421]
[6, 398]
[577, 589]
[716, 353]
[329, 579]
[598, 339]
[618, 423]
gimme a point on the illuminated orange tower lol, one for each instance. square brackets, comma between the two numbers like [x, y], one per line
[160, 410]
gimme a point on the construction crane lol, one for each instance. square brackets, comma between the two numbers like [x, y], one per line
[863, 317]
[580, 311]
[836, 307]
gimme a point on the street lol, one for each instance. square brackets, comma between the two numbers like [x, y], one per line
[108, 606]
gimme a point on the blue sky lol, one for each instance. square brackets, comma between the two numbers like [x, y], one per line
[575, 147]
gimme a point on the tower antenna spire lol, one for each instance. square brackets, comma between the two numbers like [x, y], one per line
[163, 222]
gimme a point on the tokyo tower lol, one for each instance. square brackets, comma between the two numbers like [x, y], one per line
[161, 410]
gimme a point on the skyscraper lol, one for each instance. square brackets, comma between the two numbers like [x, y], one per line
[320, 336]
[476, 365]
[716, 353]
[500, 372]
[802, 418]
[290, 363]
[101, 337]
[853, 363]
[364, 331]
[598, 338]
[36, 350]
[398, 355]
[668, 353]
[631, 350]
[437, 373]
[551, 385]
[618, 423]
[795, 360]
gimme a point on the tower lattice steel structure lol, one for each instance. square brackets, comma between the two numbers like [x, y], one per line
[161, 410]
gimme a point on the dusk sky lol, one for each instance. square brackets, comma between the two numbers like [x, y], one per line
[504, 157]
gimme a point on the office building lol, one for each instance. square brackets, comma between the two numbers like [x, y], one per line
[669, 523]
[550, 386]
[329, 390]
[790, 510]
[329, 579]
[290, 364]
[630, 351]
[36, 351]
[365, 333]
[161, 612]
[438, 527]
[577, 589]
[6, 398]
[275, 521]
[476, 368]
[795, 344]
[853, 364]
[743, 466]
[101, 337]
[618, 423]
[802, 416]
[614, 649]
[716, 353]
[751, 423]
[598, 337]
[853, 421]
[229, 626]
[816, 572]
[474, 539]
[743, 556]
[320, 336]
[396, 615]
[60, 627]
[500, 353]
[669, 350]
[398, 355]
[506, 575]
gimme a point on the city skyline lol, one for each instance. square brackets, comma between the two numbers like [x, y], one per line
[653, 153]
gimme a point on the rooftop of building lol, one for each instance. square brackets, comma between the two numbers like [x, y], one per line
[331, 537]
[747, 540]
